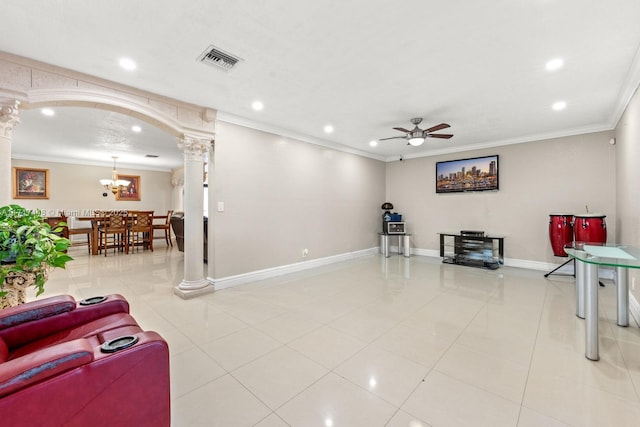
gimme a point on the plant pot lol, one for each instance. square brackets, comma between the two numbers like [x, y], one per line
[15, 285]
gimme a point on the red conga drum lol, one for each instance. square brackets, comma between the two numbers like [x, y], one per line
[590, 228]
[560, 232]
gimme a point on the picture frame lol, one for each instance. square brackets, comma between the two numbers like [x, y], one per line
[30, 183]
[468, 175]
[132, 191]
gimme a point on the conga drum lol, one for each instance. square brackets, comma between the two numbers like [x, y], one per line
[560, 232]
[590, 228]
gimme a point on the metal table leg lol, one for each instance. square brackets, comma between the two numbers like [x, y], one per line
[591, 311]
[384, 242]
[622, 293]
[580, 288]
[406, 244]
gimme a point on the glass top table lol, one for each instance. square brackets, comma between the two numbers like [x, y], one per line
[589, 257]
[606, 255]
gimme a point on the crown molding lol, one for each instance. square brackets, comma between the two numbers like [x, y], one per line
[242, 121]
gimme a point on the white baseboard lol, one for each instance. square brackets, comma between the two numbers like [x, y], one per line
[425, 252]
[240, 279]
[604, 272]
[230, 281]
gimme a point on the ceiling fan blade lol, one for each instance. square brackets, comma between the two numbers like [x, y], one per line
[403, 130]
[437, 127]
[393, 137]
[440, 135]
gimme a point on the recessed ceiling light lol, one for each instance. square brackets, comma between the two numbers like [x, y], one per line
[328, 129]
[560, 105]
[127, 64]
[136, 128]
[48, 112]
[373, 143]
[554, 64]
[257, 105]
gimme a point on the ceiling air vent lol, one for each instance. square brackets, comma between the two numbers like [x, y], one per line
[218, 58]
[151, 156]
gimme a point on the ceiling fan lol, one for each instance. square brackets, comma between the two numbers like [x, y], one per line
[417, 136]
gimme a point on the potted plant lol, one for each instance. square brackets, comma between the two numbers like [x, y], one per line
[28, 249]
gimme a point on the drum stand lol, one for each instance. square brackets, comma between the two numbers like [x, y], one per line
[560, 266]
[562, 274]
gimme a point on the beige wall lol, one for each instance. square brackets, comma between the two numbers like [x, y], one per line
[628, 179]
[282, 196]
[536, 179]
[77, 187]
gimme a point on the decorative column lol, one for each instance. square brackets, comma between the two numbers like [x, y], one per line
[193, 282]
[177, 182]
[211, 188]
[8, 120]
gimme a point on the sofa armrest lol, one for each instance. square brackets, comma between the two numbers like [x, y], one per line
[24, 333]
[27, 370]
[36, 310]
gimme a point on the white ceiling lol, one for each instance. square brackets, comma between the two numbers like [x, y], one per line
[364, 66]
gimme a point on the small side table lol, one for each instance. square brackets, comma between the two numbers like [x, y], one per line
[404, 246]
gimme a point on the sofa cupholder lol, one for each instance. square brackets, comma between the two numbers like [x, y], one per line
[93, 300]
[118, 344]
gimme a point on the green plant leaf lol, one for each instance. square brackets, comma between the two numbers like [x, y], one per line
[28, 244]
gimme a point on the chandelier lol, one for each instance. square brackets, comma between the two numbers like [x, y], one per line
[114, 183]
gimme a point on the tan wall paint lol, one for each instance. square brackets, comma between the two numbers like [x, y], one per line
[77, 188]
[628, 182]
[536, 179]
[282, 196]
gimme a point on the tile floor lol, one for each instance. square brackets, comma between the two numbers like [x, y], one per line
[376, 342]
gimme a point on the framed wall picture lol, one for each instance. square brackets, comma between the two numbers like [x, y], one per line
[474, 174]
[29, 183]
[132, 191]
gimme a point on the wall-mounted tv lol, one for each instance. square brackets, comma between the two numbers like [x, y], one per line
[475, 174]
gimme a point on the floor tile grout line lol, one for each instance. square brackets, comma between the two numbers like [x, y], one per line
[533, 352]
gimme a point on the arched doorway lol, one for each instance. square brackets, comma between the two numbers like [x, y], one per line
[192, 126]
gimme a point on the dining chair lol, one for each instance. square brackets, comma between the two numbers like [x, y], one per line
[113, 232]
[73, 231]
[166, 227]
[141, 229]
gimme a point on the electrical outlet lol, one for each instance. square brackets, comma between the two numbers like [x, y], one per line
[305, 253]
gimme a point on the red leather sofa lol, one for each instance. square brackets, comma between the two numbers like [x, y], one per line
[60, 364]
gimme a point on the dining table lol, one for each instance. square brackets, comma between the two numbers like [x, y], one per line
[95, 224]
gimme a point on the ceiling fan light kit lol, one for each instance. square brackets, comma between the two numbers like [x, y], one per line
[417, 136]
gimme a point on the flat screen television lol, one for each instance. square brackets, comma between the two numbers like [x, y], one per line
[474, 174]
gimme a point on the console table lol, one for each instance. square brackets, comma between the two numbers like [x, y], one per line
[472, 248]
[588, 258]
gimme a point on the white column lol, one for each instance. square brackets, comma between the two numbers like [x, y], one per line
[211, 167]
[177, 182]
[193, 282]
[8, 120]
